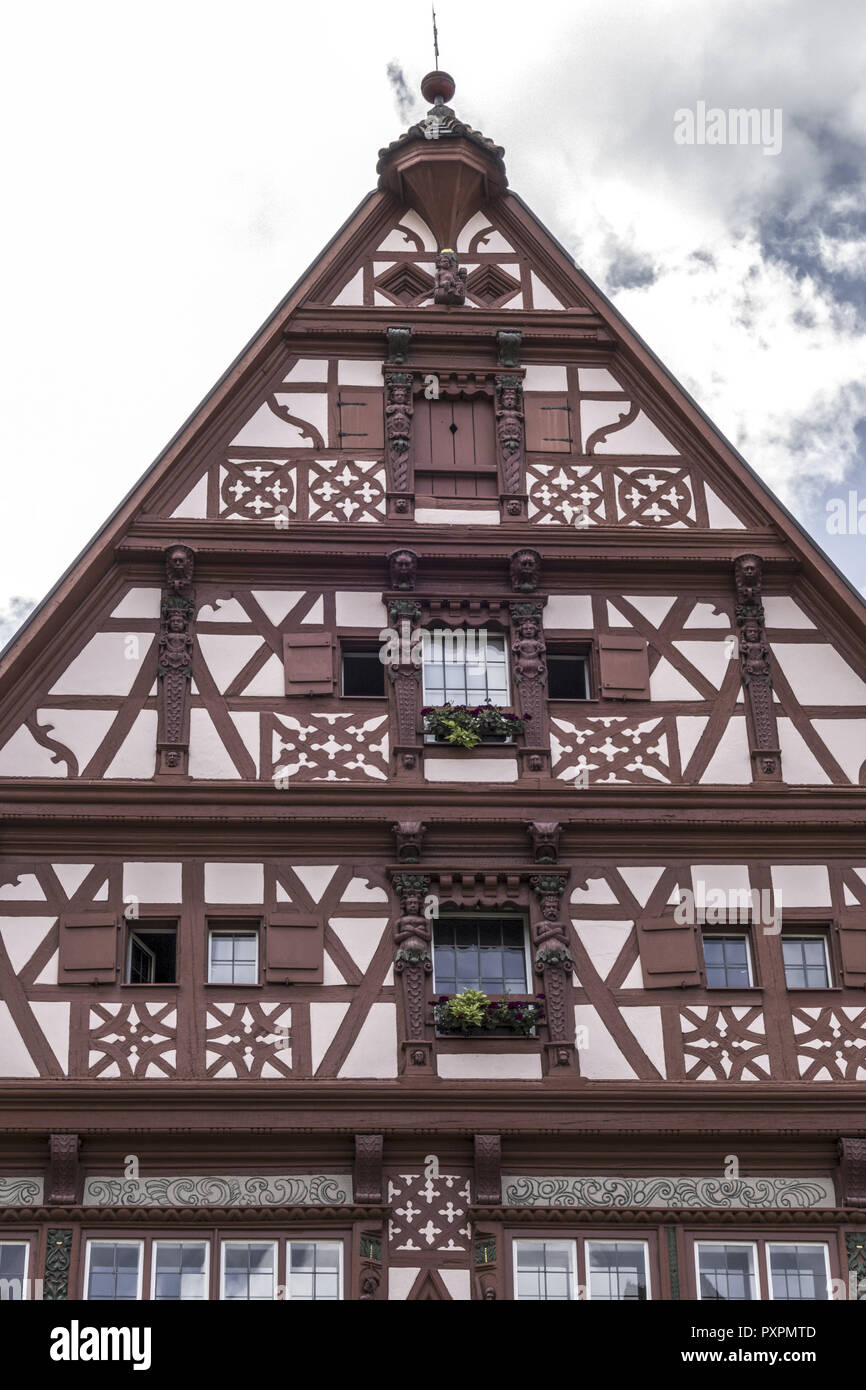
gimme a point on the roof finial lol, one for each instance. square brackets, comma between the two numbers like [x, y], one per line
[435, 40]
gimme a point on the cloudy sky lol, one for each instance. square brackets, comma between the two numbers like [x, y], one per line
[170, 171]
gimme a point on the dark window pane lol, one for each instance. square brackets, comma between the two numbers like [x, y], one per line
[567, 677]
[363, 673]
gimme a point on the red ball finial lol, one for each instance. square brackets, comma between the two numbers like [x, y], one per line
[438, 86]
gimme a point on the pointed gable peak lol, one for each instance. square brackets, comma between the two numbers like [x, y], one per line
[441, 167]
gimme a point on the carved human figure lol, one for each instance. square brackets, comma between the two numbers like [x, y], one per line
[412, 930]
[748, 579]
[755, 654]
[450, 285]
[398, 415]
[179, 561]
[529, 652]
[509, 417]
[175, 644]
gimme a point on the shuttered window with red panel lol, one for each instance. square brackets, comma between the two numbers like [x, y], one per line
[294, 949]
[309, 662]
[548, 417]
[360, 418]
[852, 948]
[624, 663]
[668, 953]
[455, 447]
[88, 948]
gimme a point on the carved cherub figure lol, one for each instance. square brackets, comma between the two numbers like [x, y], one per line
[175, 644]
[529, 651]
[450, 279]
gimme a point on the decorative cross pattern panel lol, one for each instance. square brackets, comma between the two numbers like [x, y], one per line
[616, 749]
[137, 1039]
[565, 494]
[654, 496]
[724, 1043]
[329, 747]
[429, 1214]
[248, 1040]
[342, 491]
[254, 489]
[831, 1043]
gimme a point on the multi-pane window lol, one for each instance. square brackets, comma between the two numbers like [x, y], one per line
[487, 953]
[726, 1271]
[807, 964]
[151, 955]
[465, 666]
[544, 1269]
[234, 957]
[727, 961]
[180, 1269]
[617, 1270]
[249, 1269]
[798, 1271]
[13, 1269]
[314, 1269]
[113, 1270]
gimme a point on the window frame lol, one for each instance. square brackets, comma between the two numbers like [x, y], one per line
[520, 917]
[26, 1242]
[359, 644]
[739, 932]
[823, 1245]
[232, 925]
[617, 1240]
[341, 1262]
[225, 1242]
[566, 1242]
[428, 699]
[752, 1245]
[793, 930]
[582, 650]
[150, 922]
[90, 1241]
[156, 1242]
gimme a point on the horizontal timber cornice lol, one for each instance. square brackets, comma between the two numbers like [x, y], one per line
[674, 1109]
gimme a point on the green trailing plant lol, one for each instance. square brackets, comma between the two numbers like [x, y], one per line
[465, 726]
[473, 1012]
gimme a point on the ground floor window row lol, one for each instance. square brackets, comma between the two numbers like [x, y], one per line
[538, 1268]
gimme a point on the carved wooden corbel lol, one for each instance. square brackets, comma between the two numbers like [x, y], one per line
[367, 1183]
[508, 345]
[413, 963]
[174, 661]
[398, 345]
[545, 840]
[63, 1183]
[554, 963]
[488, 1169]
[852, 1172]
[408, 835]
[756, 670]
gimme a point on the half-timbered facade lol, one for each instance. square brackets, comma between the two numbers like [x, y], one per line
[243, 881]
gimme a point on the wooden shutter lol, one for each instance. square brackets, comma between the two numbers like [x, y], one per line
[88, 948]
[624, 667]
[295, 949]
[360, 418]
[548, 423]
[852, 947]
[309, 663]
[668, 953]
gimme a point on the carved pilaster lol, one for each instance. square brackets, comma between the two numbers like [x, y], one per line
[855, 1246]
[852, 1172]
[756, 670]
[488, 1169]
[63, 1182]
[673, 1262]
[554, 963]
[58, 1251]
[408, 835]
[545, 840]
[530, 669]
[487, 1266]
[510, 440]
[413, 963]
[403, 660]
[398, 431]
[367, 1179]
[174, 660]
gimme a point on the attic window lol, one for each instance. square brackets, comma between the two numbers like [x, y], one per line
[406, 282]
[491, 285]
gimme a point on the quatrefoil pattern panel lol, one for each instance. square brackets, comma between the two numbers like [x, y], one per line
[257, 490]
[565, 495]
[428, 1214]
[341, 491]
[248, 1040]
[330, 748]
[615, 749]
[724, 1043]
[653, 496]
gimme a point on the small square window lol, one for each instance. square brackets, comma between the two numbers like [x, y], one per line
[568, 675]
[151, 954]
[617, 1270]
[315, 1269]
[249, 1270]
[363, 672]
[807, 962]
[180, 1270]
[234, 956]
[544, 1270]
[727, 960]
